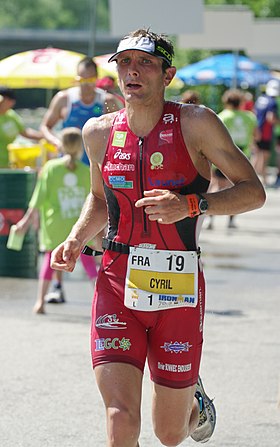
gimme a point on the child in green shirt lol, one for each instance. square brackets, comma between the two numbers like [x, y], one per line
[59, 195]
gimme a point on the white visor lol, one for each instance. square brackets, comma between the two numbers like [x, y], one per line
[142, 44]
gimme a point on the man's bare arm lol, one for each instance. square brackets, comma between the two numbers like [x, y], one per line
[216, 145]
[53, 115]
[93, 217]
[208, 141]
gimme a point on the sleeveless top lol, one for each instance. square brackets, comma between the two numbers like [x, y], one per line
[79, 113]
[132, 165]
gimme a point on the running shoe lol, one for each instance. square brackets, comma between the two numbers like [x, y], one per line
[56, 296]
[207, 417]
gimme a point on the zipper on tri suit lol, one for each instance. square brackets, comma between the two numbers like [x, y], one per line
[141, 145]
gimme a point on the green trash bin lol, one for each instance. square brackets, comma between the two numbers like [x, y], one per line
[16, 188]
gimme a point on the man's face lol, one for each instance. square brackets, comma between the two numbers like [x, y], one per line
[86, 78]
[140, 75]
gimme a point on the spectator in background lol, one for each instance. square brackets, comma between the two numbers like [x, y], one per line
[190, 97]
[242, 126]
[266, 110]
[59, 195]
[11, 125]
[248, 102]
[74, 106]
[109, 85]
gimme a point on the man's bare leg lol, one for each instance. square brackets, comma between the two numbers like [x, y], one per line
[120, 385]
[175, 413]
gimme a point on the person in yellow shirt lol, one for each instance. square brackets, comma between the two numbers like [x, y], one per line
[11, 125]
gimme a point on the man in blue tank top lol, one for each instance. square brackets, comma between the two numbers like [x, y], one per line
[74, 106]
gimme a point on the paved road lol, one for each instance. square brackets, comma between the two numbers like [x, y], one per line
[48, 396]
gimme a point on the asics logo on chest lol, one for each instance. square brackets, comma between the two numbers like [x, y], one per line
[121, 155]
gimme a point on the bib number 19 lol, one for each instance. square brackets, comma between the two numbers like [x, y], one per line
[176, 263]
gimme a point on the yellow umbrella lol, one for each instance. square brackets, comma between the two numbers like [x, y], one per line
[48, 68]
[105, 68]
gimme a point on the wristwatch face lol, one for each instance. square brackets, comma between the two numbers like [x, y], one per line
[203, 205]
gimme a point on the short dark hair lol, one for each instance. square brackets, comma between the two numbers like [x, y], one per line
[190, 97]
[232, 97]
[161, 40]
[88, 62]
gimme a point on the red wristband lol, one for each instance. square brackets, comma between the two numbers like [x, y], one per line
[193, 205]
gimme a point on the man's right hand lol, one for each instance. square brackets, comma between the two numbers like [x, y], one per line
[64, 257]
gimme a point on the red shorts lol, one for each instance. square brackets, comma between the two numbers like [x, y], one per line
[170, 340]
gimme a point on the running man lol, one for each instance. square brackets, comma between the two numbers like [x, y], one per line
[150, 166]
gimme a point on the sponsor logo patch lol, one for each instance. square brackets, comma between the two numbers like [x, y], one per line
[103, 344]
[166, 136]
[174, 368]
[156, 160]
[108, 321]
[121, 155]
[177, 299]
[119, 181]
[173, 183]
[168, 118]
[176, 347]
[120, 119]
[119, 138]
[118, 167]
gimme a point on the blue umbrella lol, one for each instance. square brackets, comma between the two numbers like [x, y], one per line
[228, 69]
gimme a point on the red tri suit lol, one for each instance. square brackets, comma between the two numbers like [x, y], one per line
[170, 338]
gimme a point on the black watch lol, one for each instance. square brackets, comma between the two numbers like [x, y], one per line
[202, 204]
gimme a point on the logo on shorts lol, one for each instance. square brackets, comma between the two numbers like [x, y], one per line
[103, 344]
[174, 368]
[110, 322]
[176, 347]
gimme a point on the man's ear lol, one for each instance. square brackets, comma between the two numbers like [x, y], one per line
[169, 75]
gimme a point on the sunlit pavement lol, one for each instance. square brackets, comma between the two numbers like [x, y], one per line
[48, 395]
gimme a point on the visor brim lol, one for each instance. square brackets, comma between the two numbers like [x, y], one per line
[114, 57]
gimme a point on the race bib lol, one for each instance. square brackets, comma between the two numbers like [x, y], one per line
[161, 279]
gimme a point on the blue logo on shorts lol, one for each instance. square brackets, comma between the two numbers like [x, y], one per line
[176, 347]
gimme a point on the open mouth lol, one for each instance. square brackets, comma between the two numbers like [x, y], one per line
[133, 85]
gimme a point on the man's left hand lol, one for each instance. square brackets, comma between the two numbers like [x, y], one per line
[163, 206]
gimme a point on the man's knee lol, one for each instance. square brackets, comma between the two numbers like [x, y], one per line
[171, 438]
[123, 427]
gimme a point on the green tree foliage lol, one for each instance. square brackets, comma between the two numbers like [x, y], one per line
[73, 14]
[52, 14]
[261, 8]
